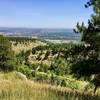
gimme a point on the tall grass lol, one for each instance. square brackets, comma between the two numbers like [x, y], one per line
[28, 45]
[29, 90]
[15, 87]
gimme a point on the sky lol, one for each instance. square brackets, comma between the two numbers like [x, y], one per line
[43, 13]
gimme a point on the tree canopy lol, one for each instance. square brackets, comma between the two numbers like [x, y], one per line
[88, 59]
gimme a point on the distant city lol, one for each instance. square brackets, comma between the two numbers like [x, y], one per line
[47, 34]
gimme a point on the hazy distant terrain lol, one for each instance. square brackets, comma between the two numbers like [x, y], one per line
[52, 34]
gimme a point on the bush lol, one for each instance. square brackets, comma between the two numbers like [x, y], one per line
[40, 76]
[60, 66]
[43, 67]
[25, 70]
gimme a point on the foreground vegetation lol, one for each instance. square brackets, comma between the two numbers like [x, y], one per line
[49, 75]
[14, 87]
[45, 63]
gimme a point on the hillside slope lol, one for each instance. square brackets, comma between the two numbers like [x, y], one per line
[15, 87]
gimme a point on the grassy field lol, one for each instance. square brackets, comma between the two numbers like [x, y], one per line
[14, 87]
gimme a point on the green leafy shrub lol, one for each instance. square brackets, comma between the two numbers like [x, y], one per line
[60, 66]
[25, 70]
[42, 77]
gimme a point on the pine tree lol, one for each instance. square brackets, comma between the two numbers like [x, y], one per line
[6, 54]
[88, 59]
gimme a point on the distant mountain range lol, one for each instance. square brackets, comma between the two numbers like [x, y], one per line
[60, 34]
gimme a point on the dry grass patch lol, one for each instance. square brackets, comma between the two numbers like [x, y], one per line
[29, 90]
[26, 46]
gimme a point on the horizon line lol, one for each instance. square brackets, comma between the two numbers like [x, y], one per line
[37, 27]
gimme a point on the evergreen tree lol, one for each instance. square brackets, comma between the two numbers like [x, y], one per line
[6, 54]
[88, 59]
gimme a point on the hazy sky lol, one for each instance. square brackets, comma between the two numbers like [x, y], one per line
[43, 13]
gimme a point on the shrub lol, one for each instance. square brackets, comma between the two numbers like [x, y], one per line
[25, 70]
